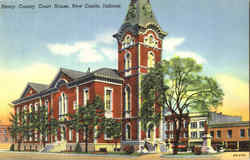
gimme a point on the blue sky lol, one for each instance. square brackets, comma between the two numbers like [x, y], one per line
[215, 32]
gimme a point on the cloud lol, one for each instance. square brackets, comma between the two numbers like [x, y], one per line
[62, 49]
[171, 50]
[170, 44]
[110, 53]
[87, 51]
[185, 54]
[236, 99]
[106, 37]
[13, 82]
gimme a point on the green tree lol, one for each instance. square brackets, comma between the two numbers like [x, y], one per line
[44, 123]
[14, 127]
[112, 128]
[87, 119]
[177, 86]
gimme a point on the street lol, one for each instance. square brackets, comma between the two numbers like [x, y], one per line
[5, 155]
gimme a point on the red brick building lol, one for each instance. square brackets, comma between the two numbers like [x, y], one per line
[139, 48]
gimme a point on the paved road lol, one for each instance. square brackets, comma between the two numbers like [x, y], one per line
[52, 156]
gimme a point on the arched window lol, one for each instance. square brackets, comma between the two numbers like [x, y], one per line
[127, 99]
[63, 105]
[127, 64]
[128, 131]
[150, 131]
[151, 59]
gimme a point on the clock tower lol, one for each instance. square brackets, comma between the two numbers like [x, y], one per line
[139, 48]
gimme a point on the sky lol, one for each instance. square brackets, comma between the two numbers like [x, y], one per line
[35, 43]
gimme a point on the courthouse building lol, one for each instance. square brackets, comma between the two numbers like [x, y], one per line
[139, 48]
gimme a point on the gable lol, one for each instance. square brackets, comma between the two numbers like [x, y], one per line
[29, 91]
[66, 75]
[60, 76]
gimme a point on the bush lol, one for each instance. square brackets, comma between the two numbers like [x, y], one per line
[103, 150]
[12, 147]
[129, 149]
[78, 148]
[197, 150]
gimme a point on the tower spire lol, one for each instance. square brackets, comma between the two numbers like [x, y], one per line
[140, 16]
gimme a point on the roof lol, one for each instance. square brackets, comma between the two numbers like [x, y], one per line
[72, 73]
[140, 14]
[229, 124]
[106, 74]
[38, 87]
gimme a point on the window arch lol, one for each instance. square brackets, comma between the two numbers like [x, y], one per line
[128, 131]
[151, 59]
[151, 41]
[127, 63]
[127, 41]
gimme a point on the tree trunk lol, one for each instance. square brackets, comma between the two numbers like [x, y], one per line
[86, 139]
[177, 134]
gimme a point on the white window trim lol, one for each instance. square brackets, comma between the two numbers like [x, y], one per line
[153, 60]
[85, 100]
[107, 138]
[108, 113]
[126, 135]
[70, 135]
[36, 106]
[127, 70]
[75, 105]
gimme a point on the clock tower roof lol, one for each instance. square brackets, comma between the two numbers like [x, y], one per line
[140, 16]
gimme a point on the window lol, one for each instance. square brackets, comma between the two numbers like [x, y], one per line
[193, 124]
[229, 133]
[171, 135]
[185, 135]
[242, 133]
[212, 134]
[74, 105]
[108, 99]
[151, 60]
[107, 136]
[30, 107]
[70, 134]
[127, 99]
[127, 42]
[218, 134]
[150, 41]
[150, 131]
[128, 132]
[194, 135]
[202, 133]
[85, 96]
[63, 105]
[47, 104]
[36, 106]
[127, 64]
[171, 127]
[166, 136]
[202, 124]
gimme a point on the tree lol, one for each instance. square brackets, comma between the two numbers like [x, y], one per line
[87, 118]
[177, 86]
[112, 128]
[43, 122]
[14, 128]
